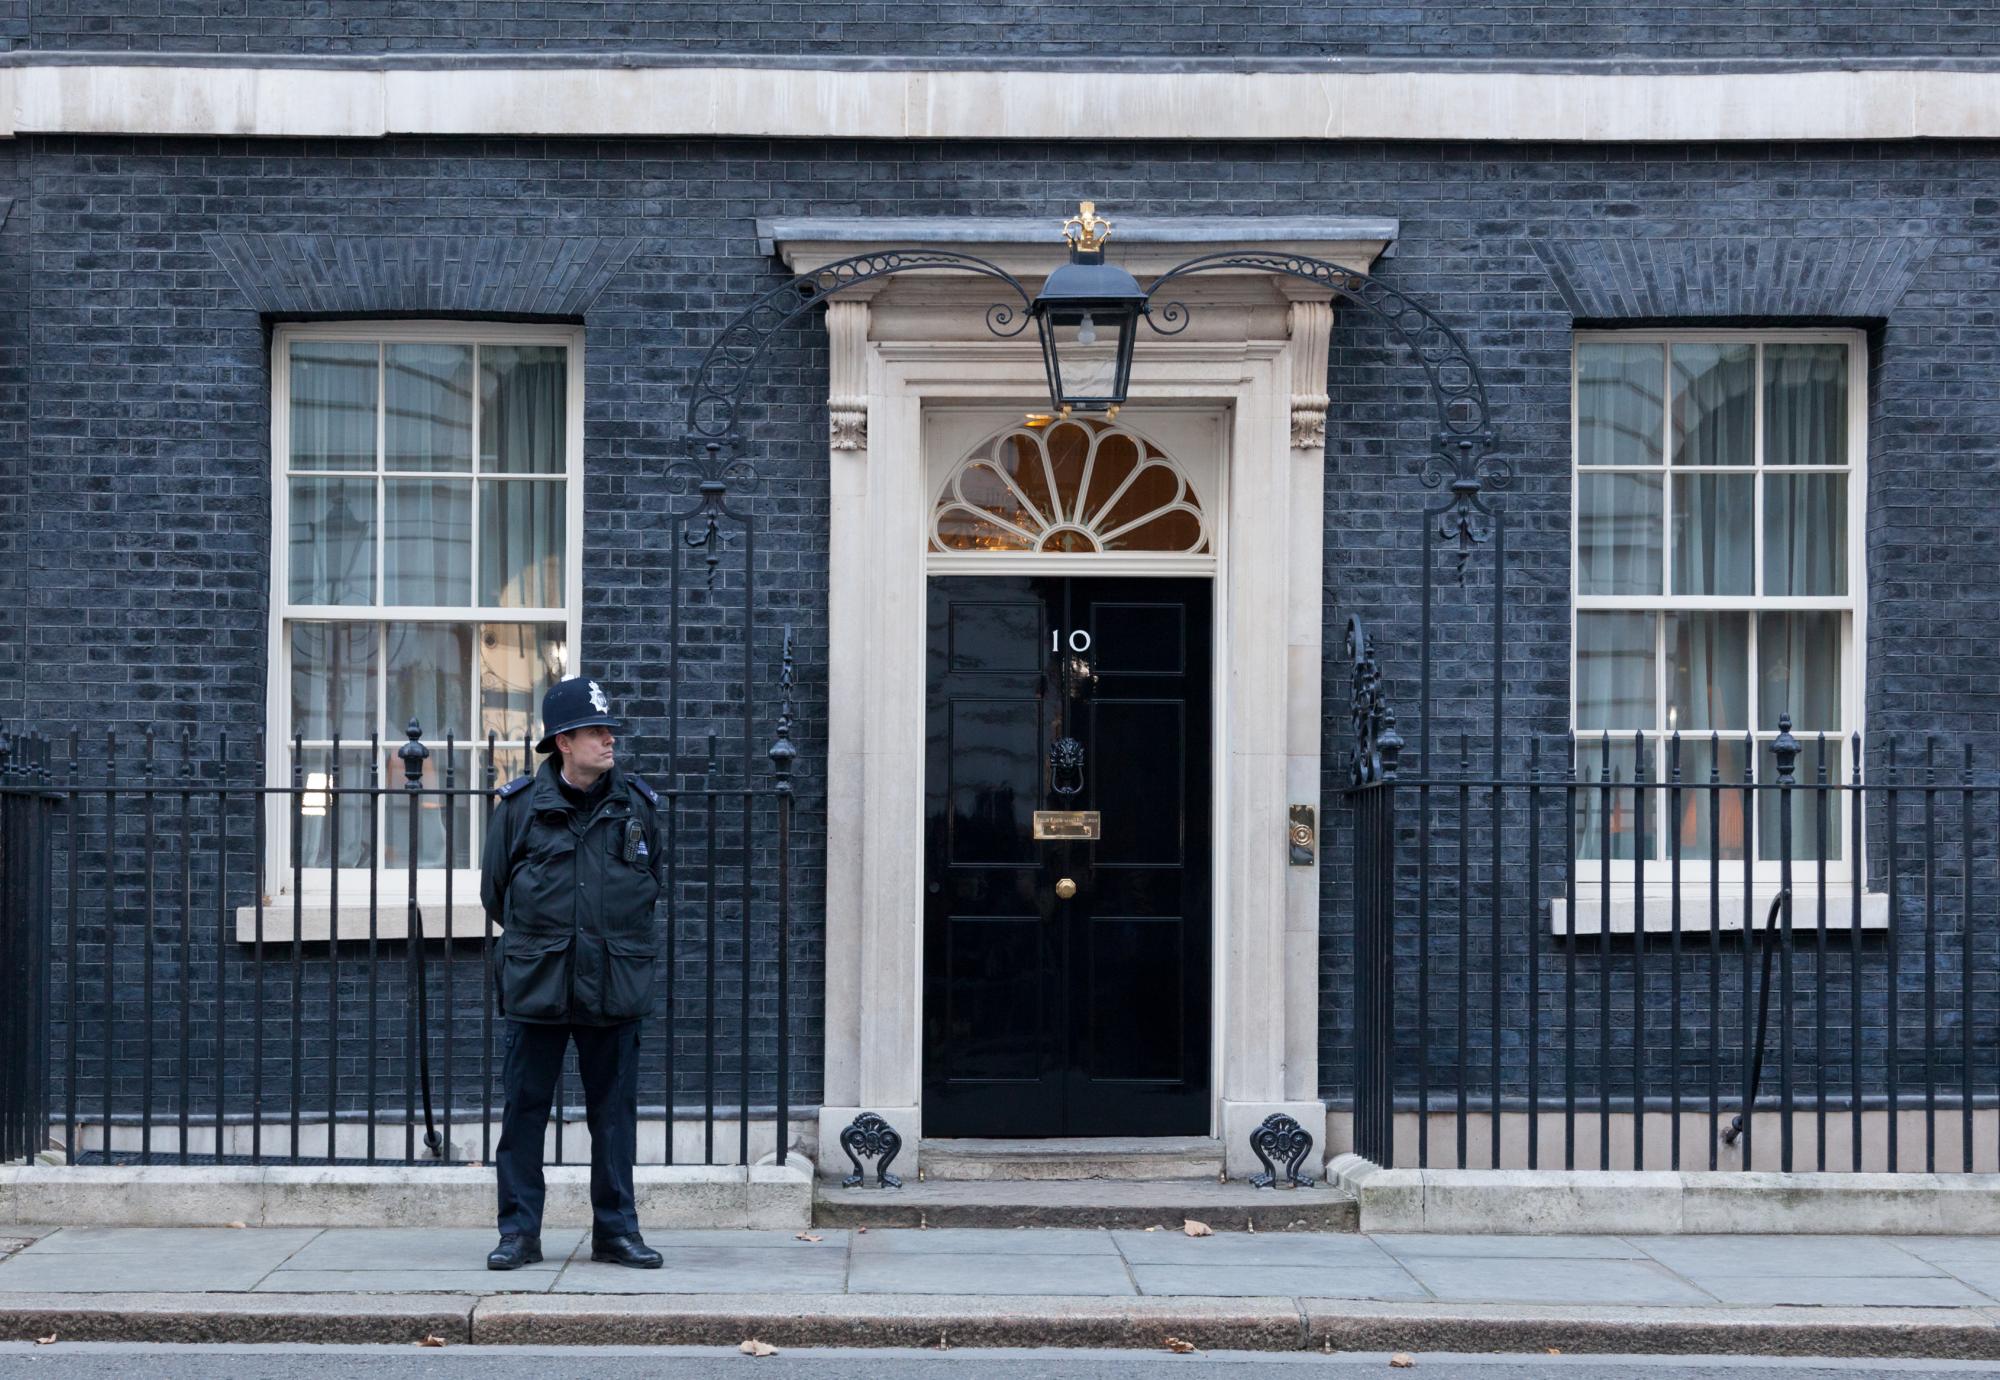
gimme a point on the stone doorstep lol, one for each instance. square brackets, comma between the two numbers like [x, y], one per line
[767, 1196]
[1136, 1204]
[1665, 1203]
[1213, 1324]
[1181, 1157]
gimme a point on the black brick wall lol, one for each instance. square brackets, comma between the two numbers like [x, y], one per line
[148, 445]
[983, 28]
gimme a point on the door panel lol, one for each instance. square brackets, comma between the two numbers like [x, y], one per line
[1087, 1015]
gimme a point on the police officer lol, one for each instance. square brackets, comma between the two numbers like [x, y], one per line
[569, 874]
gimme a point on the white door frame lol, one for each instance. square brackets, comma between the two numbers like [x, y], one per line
[1259, 359]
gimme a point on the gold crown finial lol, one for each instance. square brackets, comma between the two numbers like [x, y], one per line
[1086, 229]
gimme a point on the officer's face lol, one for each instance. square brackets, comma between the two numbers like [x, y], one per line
[588, 749]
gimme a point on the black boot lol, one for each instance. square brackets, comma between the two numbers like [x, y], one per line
[514, 1251]
[625, 1250]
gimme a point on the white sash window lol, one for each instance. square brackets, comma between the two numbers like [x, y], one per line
[1718, 582]
[426, 561]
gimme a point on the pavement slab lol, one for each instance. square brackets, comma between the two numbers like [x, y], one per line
[411, 1250]
[1844, 1291]
[1553, 1281]
[1227, 1281]
[275, 1243]
[714, 1269]
[936, 1272]
[1011, 1241]
[102, 1273]
[1412, 1247]
[1865, 1256]
[1247, 1248]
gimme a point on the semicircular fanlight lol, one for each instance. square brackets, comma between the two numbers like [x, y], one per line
[1078, 486]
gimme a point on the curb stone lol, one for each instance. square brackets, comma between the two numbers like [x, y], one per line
[185, 1318]
[850, 1320]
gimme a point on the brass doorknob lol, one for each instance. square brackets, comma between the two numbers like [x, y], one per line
[1065, 888]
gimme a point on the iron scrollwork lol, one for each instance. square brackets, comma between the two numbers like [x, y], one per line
[1462, 463]
[1378, 747]
[1280, 1137]
[868, 1136]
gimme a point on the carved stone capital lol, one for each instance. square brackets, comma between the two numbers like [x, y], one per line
[1309, 421]
[1312, 331]
[847, 422]
[847, 369]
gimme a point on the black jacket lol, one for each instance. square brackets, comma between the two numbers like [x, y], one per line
[573, 894]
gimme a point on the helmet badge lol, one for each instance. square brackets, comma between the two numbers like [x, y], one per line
[597, 700]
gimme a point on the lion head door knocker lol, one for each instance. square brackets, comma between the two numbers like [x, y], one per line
[1074, 672]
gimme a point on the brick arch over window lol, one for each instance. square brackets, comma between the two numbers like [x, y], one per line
[1717, 278]
[288, 274]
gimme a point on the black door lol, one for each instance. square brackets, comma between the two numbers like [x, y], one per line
[1086, 1013]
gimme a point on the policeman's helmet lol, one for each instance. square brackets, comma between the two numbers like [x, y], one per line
[572, 704]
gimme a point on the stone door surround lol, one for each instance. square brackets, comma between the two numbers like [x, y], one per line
[1254, 358]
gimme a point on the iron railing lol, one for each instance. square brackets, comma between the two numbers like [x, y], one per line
[174, 996]
[1781, 968]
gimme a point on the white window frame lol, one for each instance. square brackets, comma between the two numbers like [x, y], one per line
[1590, 872]
[317, 884]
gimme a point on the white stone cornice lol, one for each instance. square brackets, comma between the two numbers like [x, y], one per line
[291, 97]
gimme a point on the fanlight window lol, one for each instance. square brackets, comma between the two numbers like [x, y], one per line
[1077, 486]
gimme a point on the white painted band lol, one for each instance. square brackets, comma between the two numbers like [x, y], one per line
[134, 98]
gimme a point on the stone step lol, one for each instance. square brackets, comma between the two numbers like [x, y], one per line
[1174, 1157]
[1163, 1203]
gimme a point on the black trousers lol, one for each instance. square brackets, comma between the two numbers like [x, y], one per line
[607, 1056]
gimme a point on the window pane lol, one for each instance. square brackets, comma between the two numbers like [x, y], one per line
[522, 408]
[332, 541]
[1618, 534]
[431, 811]
[1615, 685]
[428, 559]
[1805, 534]
[1714, 404]
[518, 662]
[429, 669]
[521, 544]
[1805, 404]
[1714, 515]
[1708, 829]
[333, 679]
[333, 406]
[1708, 671]
[427, 413]
[1798, 659]
[1606, 805]
[1618, 407]
[1805, 814]
[310, 815]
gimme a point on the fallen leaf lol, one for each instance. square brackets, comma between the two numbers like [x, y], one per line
[1250, 1225]
[1553, 1350]
[1402, 1360]
[807, 1236]
[431, 1339]
[1194, 1228]
[46, 1341]
[237, 1226]
[753, 1347]
[861, 1231]
[1152, 1229]
[1180, 1346]
[943, 1342]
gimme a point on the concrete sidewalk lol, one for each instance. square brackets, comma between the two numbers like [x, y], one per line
[1817, 1295]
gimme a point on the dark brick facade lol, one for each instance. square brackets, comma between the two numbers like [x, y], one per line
[996, 29]
[146, 520]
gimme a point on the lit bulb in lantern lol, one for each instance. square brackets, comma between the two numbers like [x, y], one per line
[1086, 333]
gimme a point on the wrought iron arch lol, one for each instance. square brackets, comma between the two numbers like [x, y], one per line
[1462, 463]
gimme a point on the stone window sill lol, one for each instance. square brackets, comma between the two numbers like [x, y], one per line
[313, 917]
[1697, 919]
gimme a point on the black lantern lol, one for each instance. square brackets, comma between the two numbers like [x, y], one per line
[1088, 313]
